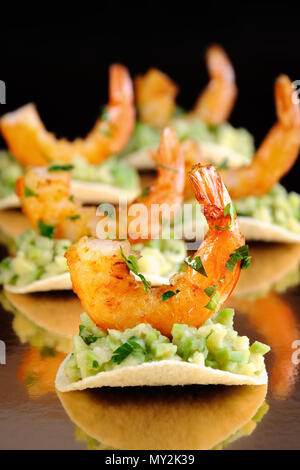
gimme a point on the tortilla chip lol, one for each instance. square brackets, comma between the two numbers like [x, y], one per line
[210, 152]
[95, 193]
[155, 373]
[269, 263]
[163, 418]
[256, 230]
[59, 282]
[13, 222]
[56, 312]
[9, 202]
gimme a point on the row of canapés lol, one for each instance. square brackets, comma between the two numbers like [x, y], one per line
[136, 330]
[104, 164]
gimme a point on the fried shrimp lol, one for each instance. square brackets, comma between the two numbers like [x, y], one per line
[277, 153]
[114, 299]
[45, 196]
[155, 96]
[32, 144]
[215, 103]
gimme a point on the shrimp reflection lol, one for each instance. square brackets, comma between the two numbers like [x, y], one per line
[274, 270]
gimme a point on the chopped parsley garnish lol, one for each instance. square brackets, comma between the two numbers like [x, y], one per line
[74, 217]
[57, 167]
[145, 193]
[213, 303]
[46, 351]
[29, 192]
[124, 350]
[168, 294]
[71, 198]
[166, 167]
[46, 230]
[131, 263]
[95, 364]
[210, 290]
[104, 114]
[222, 280]
[196, 264]
[240, 254]
[223, 165]
[229, 210]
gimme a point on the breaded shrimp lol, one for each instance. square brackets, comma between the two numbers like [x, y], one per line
[215, 103]
[45, 196]
[114, 299]
[32, 144]
[277, 153]
[155, 96]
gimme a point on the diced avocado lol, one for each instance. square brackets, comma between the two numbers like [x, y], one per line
[259, 348]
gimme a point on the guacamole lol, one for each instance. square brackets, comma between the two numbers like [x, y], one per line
[112, 172]
[160, 257]
[238, 140]
[37, 257]
[215, 344]
[277, 207]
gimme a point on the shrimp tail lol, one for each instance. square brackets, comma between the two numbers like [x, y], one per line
[276, 154]
[210, 192]
[215, 103]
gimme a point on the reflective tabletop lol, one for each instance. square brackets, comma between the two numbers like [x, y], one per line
[267, 306]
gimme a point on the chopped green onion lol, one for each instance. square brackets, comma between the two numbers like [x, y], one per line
[73, 217]
[196, 264]
[131, 263]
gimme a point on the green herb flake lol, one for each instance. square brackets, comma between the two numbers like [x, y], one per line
[210, 290]
[131, 263]
[229, 210]
[196, 264]
[213, 303]
[71, 198]
[166, 167]
[145, 193]
[46, 230]
[223, 165]
[29, 192]
[240, 254]
[95, 364]
[74, 217]
[124, 350]
[57, 167]
[104, 114]
[168, 294]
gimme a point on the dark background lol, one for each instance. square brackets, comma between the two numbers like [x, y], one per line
[60, 61]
